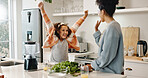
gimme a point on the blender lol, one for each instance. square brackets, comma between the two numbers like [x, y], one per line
[30, 61]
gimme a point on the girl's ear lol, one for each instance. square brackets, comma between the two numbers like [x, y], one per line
[58, 32]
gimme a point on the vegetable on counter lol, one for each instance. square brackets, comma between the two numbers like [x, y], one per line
[67, 67]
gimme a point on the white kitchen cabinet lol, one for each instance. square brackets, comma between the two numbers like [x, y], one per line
[131, 6]
[133, 3]
[76, 7]
[139, 70]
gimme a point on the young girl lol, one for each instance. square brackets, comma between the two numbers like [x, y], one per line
[60, 37]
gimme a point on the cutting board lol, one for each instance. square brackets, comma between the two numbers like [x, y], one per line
[130, 37]
[133, 58]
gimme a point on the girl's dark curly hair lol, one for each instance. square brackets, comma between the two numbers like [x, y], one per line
[58, 26]
[108, 5]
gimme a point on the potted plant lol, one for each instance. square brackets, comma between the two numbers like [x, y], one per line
[49, 1]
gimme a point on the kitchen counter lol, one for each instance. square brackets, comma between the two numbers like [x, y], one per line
[72, 56]
[18, 71]
[134, 59]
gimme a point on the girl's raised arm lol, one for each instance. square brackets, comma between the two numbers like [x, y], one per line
[79, 22]
[48, 22]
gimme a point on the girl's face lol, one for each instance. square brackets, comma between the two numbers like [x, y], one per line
[63, 32]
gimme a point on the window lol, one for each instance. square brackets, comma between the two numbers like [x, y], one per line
[5, 28]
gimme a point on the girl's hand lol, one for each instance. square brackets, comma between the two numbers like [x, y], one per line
[86, 13]
[41, 5]
[97, 25]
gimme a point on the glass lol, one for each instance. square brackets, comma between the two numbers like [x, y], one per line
[4, 28]
[4, 9]
[131, 51]
[30, 49]
[84, 71]
[46, 65]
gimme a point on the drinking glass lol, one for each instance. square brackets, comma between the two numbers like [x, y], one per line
[84, 71]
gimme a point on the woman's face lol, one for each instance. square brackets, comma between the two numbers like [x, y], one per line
[63, 32]
[101, 15]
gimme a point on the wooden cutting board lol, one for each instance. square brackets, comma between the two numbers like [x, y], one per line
[131, 37]
[133, 58]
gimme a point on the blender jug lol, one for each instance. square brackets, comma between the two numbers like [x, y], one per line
[30, 61]
[30, 48]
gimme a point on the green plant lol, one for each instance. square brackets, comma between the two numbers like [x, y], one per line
[67, 67]
[49, 1]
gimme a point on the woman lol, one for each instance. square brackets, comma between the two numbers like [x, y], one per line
[110, 55]
[60, 37]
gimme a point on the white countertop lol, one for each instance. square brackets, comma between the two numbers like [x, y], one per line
[18, 71]
[135, 61]
[80, 54]
[72, 56]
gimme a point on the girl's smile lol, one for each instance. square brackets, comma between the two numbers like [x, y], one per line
[63, 32]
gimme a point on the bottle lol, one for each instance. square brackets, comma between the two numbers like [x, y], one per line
[130, 51]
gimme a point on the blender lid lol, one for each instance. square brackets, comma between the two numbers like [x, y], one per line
[30, 42]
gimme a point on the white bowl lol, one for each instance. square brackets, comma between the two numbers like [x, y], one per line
[145, 59]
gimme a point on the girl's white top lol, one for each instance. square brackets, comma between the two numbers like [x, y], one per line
[59, 52]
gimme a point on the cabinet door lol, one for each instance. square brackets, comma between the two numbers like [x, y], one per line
[90, 5]
[138, 69]
[134, 3]
[135, 77]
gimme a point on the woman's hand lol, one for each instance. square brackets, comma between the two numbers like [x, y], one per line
[89, 66]
[41, 5]
[97, 25]
[86, 14]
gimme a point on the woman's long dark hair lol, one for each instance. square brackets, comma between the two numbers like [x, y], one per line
[108, 5]
[58, 26]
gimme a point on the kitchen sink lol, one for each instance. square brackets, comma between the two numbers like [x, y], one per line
[9, 63]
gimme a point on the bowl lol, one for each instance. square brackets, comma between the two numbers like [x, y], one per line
[145, 59]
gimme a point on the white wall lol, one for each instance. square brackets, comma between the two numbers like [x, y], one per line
[126, 19]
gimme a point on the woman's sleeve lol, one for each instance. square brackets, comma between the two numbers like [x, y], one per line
[110, 46]
[49, 24]
[76, 25]
[97, 36]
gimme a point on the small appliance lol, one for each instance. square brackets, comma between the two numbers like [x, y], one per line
[30, 61]
[32, 31]
[83, 47]
[141, 48]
